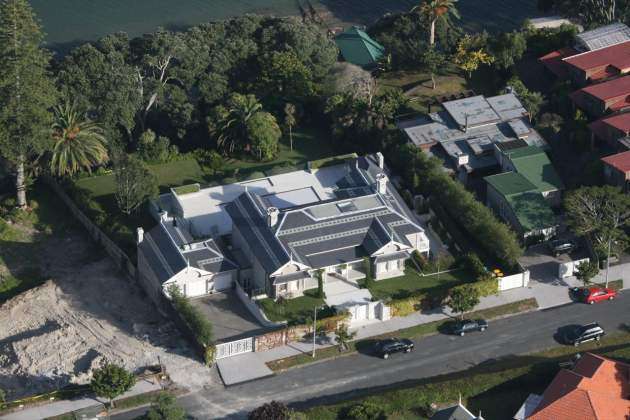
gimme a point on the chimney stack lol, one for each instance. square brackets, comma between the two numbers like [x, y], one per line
[381, 183]
[140, 235]
[381, 160]
[272, 216]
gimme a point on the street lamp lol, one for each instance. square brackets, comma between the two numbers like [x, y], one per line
[314, 328]
[608, 261]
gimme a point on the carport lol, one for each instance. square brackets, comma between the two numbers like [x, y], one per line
[229, 317]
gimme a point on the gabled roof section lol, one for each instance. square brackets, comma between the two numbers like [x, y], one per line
[256, 231]
[510, 183]
[603, 37]
[358, 48]
[620, 161]
[377, 237]
[534, 165]
[616, 88]
[617, 56]
[532, 210]
[597, 388]
[554, 61]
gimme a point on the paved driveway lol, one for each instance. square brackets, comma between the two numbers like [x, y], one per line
[230, 318]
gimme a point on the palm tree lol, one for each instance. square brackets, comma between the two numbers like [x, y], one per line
[232, 130]
[432, 10]
[79, 143]
[290, 120]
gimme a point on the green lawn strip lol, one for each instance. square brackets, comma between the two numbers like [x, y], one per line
[416, 331]
[613, 284]
[294, 311]
[412, 283]
[496, 388]
[186, 189]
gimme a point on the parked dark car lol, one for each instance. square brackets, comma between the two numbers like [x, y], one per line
[469, 325]
[583, 333]
[393, 345]
[559, 246]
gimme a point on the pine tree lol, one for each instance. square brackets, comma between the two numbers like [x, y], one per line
[26, 91]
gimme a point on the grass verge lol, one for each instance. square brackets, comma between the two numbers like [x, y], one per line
[496, 388]
[416, 331]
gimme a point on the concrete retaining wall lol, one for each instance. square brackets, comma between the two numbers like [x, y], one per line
[120, 258]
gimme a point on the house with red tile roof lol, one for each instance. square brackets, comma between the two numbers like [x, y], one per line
[597, 388]
[599, 65]
[603, 98]
[611, 129]
[617, 170]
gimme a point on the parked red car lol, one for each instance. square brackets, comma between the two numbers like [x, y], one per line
[597, 294]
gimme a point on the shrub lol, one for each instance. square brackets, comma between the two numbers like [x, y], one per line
[367, 266]
[367, 410]
[156, 150]
[165, 407]
[255, 175]
[199, 325]
[320, 283]
[111, 381]
[273, 410]
[472, 263]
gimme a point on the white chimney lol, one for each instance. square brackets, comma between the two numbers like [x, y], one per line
[462, 159]
[272, 216]
[381, 160]
[381, 183]
[140, 235]
[164, 215]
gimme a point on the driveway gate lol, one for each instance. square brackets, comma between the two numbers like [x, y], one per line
[233, 348]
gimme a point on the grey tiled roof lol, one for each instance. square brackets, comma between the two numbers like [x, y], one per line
[331, 232]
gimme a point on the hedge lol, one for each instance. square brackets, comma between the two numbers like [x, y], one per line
[187, 189]
[426, 175]
[331, 161]
[197, 322]
[485, 286]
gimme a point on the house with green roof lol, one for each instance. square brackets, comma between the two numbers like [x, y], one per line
[358, 48]
[519, 202]
[533, 163]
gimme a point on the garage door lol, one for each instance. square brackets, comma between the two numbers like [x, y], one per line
[222, 281]
[196, 287]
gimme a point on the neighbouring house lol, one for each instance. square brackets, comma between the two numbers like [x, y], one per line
[358, 48]
[466, 132]
[611, 130]
[585, 42]
[534, 165]
[456, 412]
[551, 22]
[275, 235]
[603, 98]
[617, 170]
[596, 388]
[519, 203]
[599, 65]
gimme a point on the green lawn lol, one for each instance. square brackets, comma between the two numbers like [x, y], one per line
[497, 388]
[294, 311]
[412, 282]
[95, 195]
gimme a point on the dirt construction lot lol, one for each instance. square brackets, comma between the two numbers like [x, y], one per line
[86, 313]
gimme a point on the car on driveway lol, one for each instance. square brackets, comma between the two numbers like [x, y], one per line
[591, 295]
[393, 345]
[583, 333]
[559, 246]
[469, 325]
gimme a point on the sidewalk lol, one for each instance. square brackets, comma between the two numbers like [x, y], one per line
[66, 406]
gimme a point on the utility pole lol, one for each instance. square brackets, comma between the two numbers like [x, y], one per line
[314, 328]
[608, 261]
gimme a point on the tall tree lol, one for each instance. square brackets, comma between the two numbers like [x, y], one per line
[601, 214]
[507, 48]
[230, 125]
[26, 91]
[290, 119]
[134, 183]
[432, 10]
[586, 271]
[78, 142]
[263, 133]
[463, 299]
[432, 62]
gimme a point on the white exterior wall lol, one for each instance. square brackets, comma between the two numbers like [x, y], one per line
[514, 281]
[568, 269]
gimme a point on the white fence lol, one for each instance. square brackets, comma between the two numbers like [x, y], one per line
[514, 281]
[245, 345]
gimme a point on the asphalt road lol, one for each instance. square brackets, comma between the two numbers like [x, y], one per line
[349, 376]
